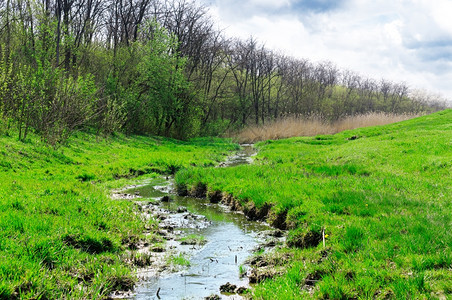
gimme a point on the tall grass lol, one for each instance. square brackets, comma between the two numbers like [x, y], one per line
[294, 126]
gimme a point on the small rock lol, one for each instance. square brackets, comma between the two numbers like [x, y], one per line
[162, 233]
[270, 243]
[257, 261]
[212, 297]
[278, 233]
[228, 288]
[272, 233]
[158, 249]
[181, 209]
[258, 248]
[167, 227]
[161, 217]
[241, 290]
[165, 199]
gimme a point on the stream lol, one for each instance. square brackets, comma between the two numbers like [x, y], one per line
[229, 237]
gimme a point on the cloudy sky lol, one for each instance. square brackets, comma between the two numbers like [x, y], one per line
[401, 40]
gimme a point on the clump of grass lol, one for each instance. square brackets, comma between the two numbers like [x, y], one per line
[293, 127]
[242, 271]
[193, 239]
[85, 177]
[139, 259]
[352, 239]
[89, 244]
[179, 260]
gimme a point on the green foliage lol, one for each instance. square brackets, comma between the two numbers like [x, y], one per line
[164, 103]
[112, 109]
[39, 96]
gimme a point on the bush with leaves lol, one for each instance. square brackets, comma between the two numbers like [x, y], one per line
[165, 101]
[46, 99]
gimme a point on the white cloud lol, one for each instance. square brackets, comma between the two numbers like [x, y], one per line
[401, 40]
[441, 12]
[270, 3]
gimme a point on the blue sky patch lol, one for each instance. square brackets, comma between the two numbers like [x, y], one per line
[316, 6]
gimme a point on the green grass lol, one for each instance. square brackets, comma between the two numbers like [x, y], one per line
[179, 260]
[193, 239]
[382, 194]
[61, 236]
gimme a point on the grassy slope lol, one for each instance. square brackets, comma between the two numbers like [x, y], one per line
[60, 234]
[384, 197]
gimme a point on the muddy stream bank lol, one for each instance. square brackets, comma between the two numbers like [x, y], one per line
[207, 246]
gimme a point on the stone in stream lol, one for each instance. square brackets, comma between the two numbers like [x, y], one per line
[228, 288]
[158, 249]
[165, 198]
[181, 209]
[273, 233]
[270, 243]
[161, 217]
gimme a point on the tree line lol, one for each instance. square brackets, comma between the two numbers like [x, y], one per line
[162, 67]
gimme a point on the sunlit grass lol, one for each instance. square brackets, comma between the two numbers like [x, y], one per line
[383, 195]
[61, 236]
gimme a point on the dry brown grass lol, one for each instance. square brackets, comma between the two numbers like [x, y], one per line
[291, 127]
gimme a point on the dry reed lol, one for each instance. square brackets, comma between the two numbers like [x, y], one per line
[291, 127]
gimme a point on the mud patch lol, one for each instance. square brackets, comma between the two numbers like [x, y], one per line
[215, 196]
[261, 274]
[278, 220]
[255, 213]
[304, 239]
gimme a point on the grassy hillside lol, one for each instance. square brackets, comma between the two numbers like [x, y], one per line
[61, 236]
[382, 195]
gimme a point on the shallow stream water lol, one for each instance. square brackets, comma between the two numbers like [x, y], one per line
[231, 239]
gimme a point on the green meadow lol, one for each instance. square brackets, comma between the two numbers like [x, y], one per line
[61, 236]
[381, 196]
